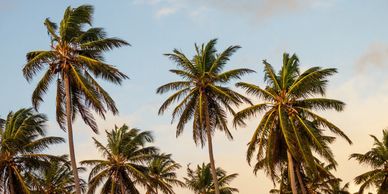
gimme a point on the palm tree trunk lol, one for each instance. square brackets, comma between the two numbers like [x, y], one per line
[291, 172]
[11, 188]
[70, 136]
[300, 180]
[210, 147]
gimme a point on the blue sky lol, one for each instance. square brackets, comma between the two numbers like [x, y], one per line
[348, 35]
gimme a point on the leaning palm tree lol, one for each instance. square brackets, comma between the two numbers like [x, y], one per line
[200, 180]
[290, 131]
[162, 174]
[57, 178]
[206, 99]
[124, 165]
[377, 158]
[22, 138]
[74, 60]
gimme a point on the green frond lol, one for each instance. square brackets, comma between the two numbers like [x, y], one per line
[41, 88]
[105, 44]
[222, 59]
[227, 76]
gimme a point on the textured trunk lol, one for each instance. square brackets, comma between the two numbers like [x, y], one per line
[300, 180]
[210, 147]
[291, 172]
[11, 188]
[70, 136]
[122, 188]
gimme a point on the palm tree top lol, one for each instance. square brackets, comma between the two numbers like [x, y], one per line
[377, 158]
[289, 123]
[22, 140]
[76, 53]
[200, 180]
[125, 156]
[202, 86]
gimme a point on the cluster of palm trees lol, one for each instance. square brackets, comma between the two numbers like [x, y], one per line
[290, 142]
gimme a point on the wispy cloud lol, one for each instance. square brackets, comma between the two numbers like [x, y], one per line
[256, 10]
[376, 55]
[165, 11]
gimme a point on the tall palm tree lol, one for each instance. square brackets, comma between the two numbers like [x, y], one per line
[206, 99]
[57, 178]
[290, 130]
[377, 158]
[201, 182]
[22, 140]
[162, 174]
[124, 165]
[74, 60]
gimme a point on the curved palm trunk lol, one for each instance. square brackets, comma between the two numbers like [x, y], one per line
[300, 180]
[70, 136]
[210, 147]
[291, 172]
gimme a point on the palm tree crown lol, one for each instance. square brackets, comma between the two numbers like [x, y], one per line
[377, 158]
[22, 138]
[200, 180]
[162, 174]
[76, 55]
[57, 178]
[290, 129]
[201, 90]
[124, 165]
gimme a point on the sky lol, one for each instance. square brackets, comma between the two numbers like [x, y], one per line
[350, 35]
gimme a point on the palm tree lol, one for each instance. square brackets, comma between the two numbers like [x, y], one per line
[57, 178]
[206, 100]
[335, 188]
[75, 56]
[290, 131]
[162, 174]
[22, 140]
[377, 158]
[124, 165]
[201, 182]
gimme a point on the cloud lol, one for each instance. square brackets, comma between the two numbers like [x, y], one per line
[165, 11]
[256, 10]
[376, 55]
[148, 2]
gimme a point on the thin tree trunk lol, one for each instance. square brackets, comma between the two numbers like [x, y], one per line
[300, 180]
[210, 147]
[11, 188]
[291, 172]
[70, 136]
[122, 188]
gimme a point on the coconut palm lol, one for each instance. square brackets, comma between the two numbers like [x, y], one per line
[206, 99]
[290, 130]
[22, 140]
[161, 171]
[57, 178]
[314, 183]
[200, 180]
[74, 60]
[124, 165]
[336, 188]
[377, 158]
